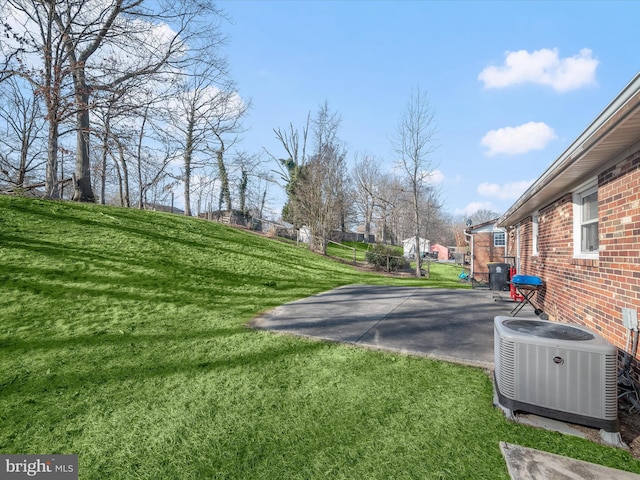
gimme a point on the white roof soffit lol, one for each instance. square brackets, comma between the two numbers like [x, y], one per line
[617, 128]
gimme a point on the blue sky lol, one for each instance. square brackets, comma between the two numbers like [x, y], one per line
[512, 83]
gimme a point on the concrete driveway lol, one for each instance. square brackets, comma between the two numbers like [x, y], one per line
[448, 324]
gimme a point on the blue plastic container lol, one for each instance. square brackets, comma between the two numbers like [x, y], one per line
[526, 280]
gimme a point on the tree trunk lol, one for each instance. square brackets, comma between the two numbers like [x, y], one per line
[103, 166]
[125, 175]
[52, 91]
[243, 191]
[120, 190]
[417, 224]
[187, 185]
[139, 158]
[224, 178]
[51, 178]
[188, 154]
[83, 191]
[262, 202]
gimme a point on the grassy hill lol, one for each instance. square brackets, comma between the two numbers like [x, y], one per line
[122, 340]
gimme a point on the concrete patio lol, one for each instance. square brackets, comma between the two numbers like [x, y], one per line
[447, 324]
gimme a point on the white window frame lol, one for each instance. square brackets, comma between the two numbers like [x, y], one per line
[504, 237]
[582, 191]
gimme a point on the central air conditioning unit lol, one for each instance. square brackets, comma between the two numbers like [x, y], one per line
[556, 370]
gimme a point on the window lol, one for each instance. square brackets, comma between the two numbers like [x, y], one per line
[499, 239]
[585, 222]
[589, 223]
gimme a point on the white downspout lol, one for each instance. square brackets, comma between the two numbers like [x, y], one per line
[506, 242]
[518, 248]
[470, 241]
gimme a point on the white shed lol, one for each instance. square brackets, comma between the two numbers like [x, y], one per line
[410, 247]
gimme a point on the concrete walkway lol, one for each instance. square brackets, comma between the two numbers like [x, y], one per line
[448, 324]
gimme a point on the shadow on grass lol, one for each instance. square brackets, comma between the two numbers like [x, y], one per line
[161, 275]
[82, 372]
[225, 241]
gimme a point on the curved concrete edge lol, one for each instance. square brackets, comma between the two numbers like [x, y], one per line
[529, 464]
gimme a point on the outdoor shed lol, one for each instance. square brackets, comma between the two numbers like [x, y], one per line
[409, 247]
[577, 227]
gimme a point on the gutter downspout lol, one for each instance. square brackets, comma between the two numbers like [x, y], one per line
[506, 242]
[470, 241]
[518, 248]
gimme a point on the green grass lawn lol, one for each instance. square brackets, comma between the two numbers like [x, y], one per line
[123, 340]
[345, 250]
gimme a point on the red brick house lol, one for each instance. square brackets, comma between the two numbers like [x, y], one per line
[578, 225]
[488, 244]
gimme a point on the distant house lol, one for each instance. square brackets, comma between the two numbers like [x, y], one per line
[441, 251]
[488, 245]
[340, 236]
[578, 225]
[409, 247]
[163, 208]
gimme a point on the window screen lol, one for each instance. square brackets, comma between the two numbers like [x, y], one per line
[589, 222]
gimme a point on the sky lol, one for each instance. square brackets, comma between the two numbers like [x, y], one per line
[511, 84]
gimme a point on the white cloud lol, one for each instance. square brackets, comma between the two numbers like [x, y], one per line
[435, 177]
[543, 67]
[508, 191]
[516, 140]
[473, 207]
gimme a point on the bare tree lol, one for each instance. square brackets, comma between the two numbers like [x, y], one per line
[251, 181]
[294, 144]
[388, 200]
[136, 128]
[22, 143]
[225, 126]
[203, 187]
[319, 197]
[151, 162]
[367, 178]
[206, 110]
[102, 45]
[321, 189]
[122, 167]
[414, 143]
[121, 117]
[458, 225]
[34, 51]
[483, 215]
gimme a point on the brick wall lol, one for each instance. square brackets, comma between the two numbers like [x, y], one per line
[485, 252]
[590, 292]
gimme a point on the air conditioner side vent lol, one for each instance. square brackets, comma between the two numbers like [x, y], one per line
[506, 378]
[611, 387]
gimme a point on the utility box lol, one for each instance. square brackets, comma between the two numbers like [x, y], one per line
[498, 276]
